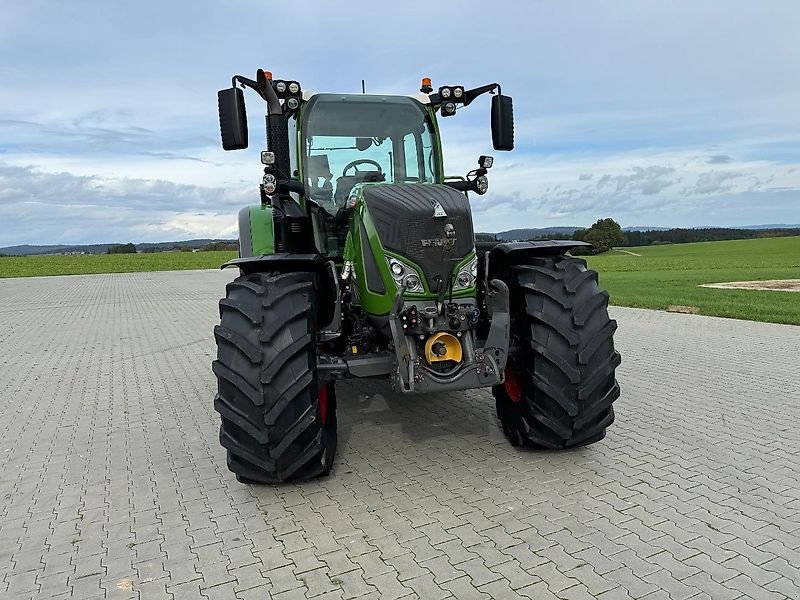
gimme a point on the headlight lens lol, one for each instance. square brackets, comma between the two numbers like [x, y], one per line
[482, 183]
[467, 275]
[458, 92]
[294, 87]
[280, 87]
[404, 276]
[445, 93]
[412, 283]
[270, 185]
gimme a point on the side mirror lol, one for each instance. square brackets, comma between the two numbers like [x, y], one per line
[502, 123]
[232, 119]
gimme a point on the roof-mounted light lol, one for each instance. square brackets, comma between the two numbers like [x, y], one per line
[426, 87]
[454, 93]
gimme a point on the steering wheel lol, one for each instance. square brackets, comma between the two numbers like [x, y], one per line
[361, 161]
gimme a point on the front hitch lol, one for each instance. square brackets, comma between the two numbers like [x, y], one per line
[485, 367]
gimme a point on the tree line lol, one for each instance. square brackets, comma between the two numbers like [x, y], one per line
[606, 234]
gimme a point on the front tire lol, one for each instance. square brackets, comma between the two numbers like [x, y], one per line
[560, 379]
[278, 420]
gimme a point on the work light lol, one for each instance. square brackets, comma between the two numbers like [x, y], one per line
[448, 109]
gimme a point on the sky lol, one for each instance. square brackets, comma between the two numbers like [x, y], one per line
[679, 113]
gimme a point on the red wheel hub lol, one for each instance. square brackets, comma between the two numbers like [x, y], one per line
[323, 403]
[513, 385]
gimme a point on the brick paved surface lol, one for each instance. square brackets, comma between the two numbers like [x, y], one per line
[113, 485]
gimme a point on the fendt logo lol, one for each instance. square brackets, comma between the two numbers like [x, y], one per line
[447, 242]
[438, 209]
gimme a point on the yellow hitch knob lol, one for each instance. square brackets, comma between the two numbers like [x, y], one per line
[443, 346]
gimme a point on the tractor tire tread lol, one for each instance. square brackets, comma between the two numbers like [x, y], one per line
[271, 424]
[565, 356]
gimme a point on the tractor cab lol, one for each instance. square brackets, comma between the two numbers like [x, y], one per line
[347, 139]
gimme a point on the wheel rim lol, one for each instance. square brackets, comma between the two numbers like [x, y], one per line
[323, 403]
[512, 385]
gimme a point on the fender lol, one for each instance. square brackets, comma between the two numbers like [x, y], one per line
[282, 262]
[497, 257]
[328, 288]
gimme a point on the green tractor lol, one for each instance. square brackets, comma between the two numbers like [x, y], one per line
[360, 260]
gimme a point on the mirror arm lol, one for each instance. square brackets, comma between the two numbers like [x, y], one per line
[267, 93]
[470, 95]
[245, 83]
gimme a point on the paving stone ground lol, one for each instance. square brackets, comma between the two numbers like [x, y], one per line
[113, 484]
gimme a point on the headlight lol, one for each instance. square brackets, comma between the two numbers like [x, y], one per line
[293, 103]
[482, 184]
[412, 283]
[270, 185]
[404, 277]
[467, 275]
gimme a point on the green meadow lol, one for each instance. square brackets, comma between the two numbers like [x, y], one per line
[82, 264]
[658, 277]
[671, 274]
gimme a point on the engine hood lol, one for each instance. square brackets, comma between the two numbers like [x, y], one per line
[431, 224]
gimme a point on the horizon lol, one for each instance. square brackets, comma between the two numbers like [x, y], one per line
[639, 228]
[661, 114]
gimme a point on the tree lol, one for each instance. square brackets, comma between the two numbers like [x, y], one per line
[121, 249]
[604, 235]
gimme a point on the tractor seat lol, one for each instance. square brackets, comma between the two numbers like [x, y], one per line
[346, 183]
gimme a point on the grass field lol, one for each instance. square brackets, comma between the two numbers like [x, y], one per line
[665, 275]
[80, 264]
[661, 276]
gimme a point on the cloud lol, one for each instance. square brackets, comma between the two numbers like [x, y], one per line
[643, 180]
[719, 159]
[44, 207]
[715, 182]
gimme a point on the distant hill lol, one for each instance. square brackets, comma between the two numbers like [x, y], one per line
[521, 234]
[534, 232]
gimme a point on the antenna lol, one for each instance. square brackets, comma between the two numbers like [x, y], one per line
[363, 87]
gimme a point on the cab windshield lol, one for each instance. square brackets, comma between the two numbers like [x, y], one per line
[350, 139]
